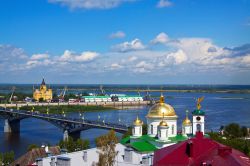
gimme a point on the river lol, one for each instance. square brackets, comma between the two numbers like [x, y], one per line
[220, 108]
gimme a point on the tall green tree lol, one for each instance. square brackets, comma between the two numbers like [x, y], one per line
[233, 130]
[106, 145]
[7, 158]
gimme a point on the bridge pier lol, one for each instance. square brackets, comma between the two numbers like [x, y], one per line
[74, 135]
[65, 135]
[11, 127]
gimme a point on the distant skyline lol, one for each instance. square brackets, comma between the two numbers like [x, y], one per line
[125, 41]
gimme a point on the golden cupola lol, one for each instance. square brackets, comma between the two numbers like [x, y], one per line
[186, 121]
[163, 123]
[160, 108]
[138, 122]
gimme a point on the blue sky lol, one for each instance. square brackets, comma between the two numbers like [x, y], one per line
[125, 41]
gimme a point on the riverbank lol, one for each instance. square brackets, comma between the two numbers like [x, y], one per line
[103, 104]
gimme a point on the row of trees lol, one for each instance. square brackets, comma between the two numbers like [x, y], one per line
[71, 145]
[234, 130]
[233, 136]
[6, 158]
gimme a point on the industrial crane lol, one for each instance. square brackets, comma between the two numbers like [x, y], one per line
[13, 90]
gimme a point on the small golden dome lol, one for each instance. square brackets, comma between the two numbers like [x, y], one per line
[163, 123]
[157, 110]
[138, 122]
[186, 121]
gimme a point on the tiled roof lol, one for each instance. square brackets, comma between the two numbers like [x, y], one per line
[31, 156]
[200, 150]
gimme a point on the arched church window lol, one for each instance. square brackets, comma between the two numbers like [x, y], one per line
[198, 127]
[172, 129]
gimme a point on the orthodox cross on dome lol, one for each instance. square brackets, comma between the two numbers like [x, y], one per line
[162, 99]
[187, 114]
[199, 100]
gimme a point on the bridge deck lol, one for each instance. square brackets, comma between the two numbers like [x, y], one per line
[60, 118]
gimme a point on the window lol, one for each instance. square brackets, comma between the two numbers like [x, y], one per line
[172, 129]
[152, 129]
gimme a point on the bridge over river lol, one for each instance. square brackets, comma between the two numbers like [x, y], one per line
[69, 126]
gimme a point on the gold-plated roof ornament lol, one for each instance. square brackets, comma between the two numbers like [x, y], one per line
[162, 99]
[199, 100]
[138, 122]
[163, 122]
[186, 121]
[158, 109]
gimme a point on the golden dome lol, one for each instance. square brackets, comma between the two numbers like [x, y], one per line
[138, 122]
[163, 123]
[186, 121]
[161, 109]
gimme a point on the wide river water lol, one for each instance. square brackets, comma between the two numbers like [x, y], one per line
[220, 108]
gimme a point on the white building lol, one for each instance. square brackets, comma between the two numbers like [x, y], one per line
[125, 157]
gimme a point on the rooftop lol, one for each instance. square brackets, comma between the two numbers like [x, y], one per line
[200, 150]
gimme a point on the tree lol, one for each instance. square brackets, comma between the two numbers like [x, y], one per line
[32, 146]
[106, 145]
[7, 158]
[40, 100]
[73, 146]
[233, 130]
[82, 144]
[244, 131]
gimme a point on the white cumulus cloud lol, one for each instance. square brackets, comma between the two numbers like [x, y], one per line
[39, 56]
[69, 56]
[117, 35]
[164, 3]
[134, 45]
[161, 38]
[90, 4]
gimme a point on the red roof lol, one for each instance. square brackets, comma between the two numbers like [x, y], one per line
[200, 151]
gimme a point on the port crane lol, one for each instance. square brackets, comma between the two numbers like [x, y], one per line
[63, 92]
[12, 92]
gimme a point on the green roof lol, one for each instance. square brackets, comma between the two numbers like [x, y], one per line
[178, 138]
[143, 146]
[92, 97]
[198, 112]
[145, 142]
[125, 140]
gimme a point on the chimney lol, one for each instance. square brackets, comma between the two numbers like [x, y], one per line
[190, 149]
[224, 150]
[199, 135]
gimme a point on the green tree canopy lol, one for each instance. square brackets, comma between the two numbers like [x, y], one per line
[233, 130]
[73, 146]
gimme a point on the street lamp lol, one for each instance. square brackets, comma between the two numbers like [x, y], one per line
[47, 111]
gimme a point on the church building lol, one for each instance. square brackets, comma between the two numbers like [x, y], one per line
[43, 92]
